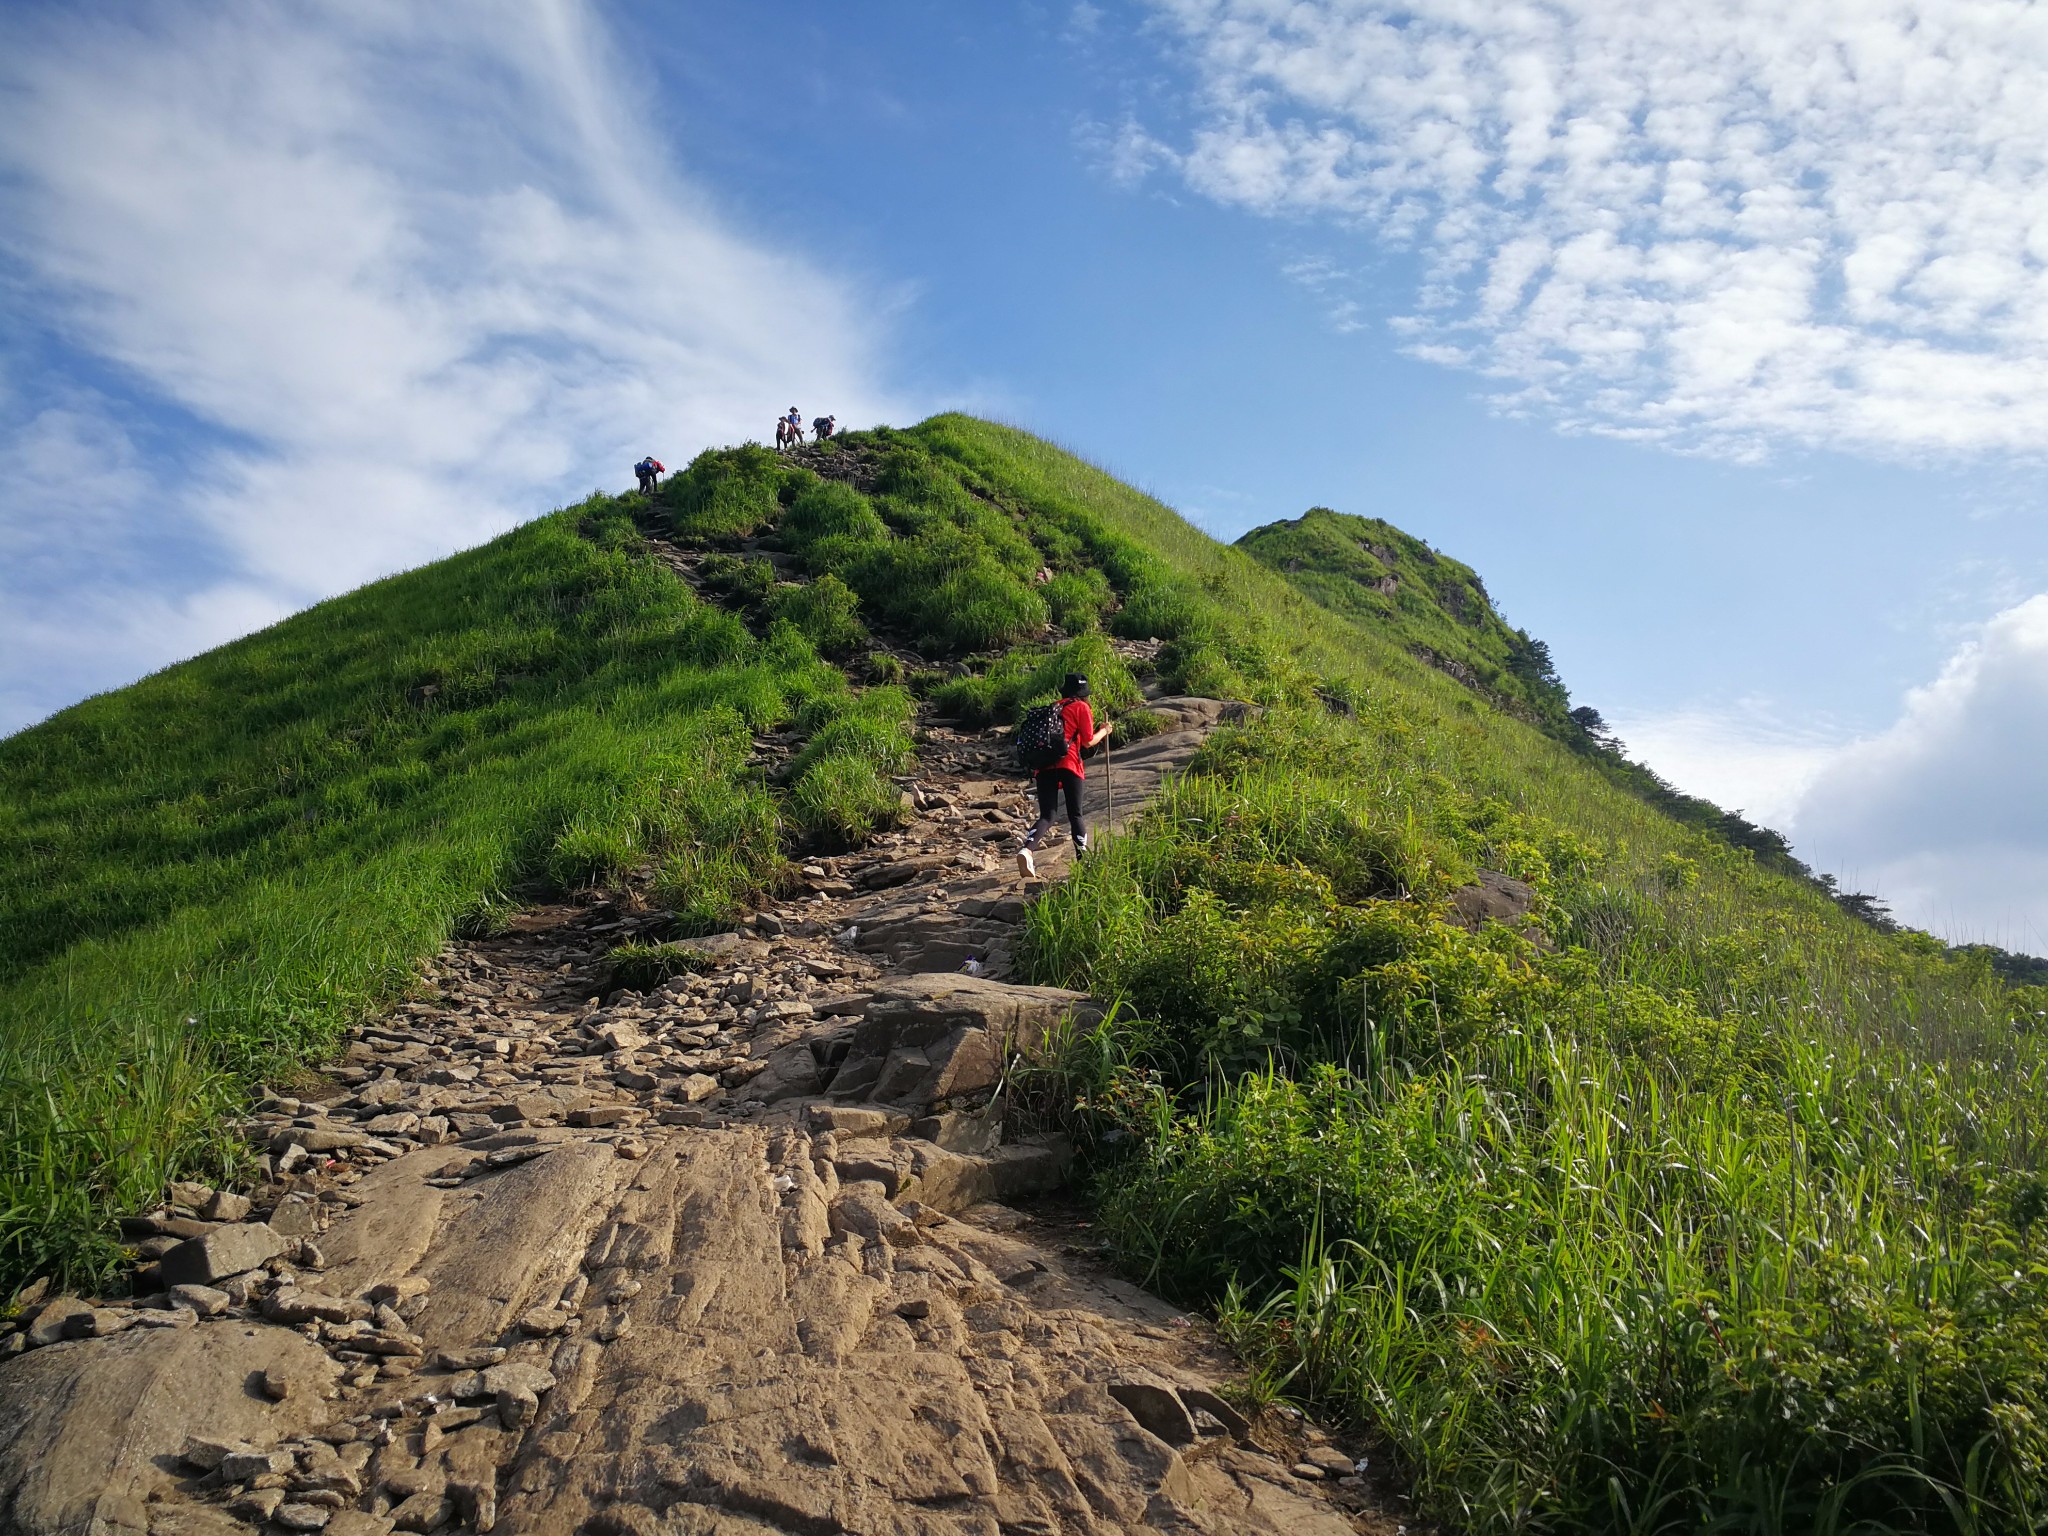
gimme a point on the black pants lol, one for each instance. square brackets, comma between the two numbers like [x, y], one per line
[646, 481]
[1051, 782]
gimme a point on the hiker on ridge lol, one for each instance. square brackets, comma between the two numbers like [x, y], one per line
[644, 473]
[824, 427]
[1074, 723]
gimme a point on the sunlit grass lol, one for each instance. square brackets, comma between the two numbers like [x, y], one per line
[1717, 1210]
[1690, 1205]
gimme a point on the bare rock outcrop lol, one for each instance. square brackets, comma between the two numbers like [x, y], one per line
[91, 1431]
[927, 1041]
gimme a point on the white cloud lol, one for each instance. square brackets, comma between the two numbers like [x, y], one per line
[1718, 227]
[1941, 814]
[1945, 809]
[1744, 759]
[1124, 152]
[416, 272]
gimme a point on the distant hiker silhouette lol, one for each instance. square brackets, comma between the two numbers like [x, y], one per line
[824, 427]
[1050, 742]
[789, 430]
[648, 471]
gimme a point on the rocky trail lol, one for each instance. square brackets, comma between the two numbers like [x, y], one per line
[748, 1251]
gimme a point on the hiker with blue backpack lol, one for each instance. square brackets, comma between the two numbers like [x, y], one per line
[1050, 742]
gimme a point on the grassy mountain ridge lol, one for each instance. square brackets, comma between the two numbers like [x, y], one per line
[1367, 569]
[1701, 1206]
[1440, 612]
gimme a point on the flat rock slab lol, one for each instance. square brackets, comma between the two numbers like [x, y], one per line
[736, 1337]
[228, 1250]
[90, 1430]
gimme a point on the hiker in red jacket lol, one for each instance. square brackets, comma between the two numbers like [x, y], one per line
[1064, 777]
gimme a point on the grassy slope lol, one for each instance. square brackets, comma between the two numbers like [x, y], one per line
[1369, 570]
[1723, 1212]
[1720, 1209]
[218, 868]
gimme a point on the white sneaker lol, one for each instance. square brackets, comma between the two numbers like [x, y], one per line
[1080, 845]
[1026, 865]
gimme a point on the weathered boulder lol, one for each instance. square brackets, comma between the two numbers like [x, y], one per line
[926, 1039]
[1494, 897]
[1157, 1407]
[90, 1431]
[224, 1251]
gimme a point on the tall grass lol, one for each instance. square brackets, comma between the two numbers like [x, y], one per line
[215, 871]
[1713, 1210]
[1688, 1204]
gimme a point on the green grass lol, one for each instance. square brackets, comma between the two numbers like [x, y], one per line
[1699, 1206]
[218, 869]
[1723, 1211]
[1015, 682]
[1438, 608]
[641, 967]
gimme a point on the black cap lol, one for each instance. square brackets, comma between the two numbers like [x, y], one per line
[1075, 686]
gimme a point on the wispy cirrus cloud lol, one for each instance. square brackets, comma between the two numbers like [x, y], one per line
[1719, 228]
[319, 291]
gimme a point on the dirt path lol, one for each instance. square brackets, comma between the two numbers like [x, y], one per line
[733, 1254]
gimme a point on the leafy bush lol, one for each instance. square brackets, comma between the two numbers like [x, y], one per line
[727, 493]
[642, 967]
[827, 613]
[1078, 599]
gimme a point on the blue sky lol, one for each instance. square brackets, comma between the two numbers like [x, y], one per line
[1723, 366]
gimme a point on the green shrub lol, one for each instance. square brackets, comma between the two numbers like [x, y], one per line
[1022, 678]
[1203, 671]
[641, 967]
[841, 802]
[975, 700]
[1135, 725]
[828, 509]
[979, 607]
[827, 613]
[1163, 610]
[745, 580]
[593, 849]
[1078, 599]
[873, 726]
[1562, 1229]
[727, 493]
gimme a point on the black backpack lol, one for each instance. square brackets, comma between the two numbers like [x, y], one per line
[1042, 737]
